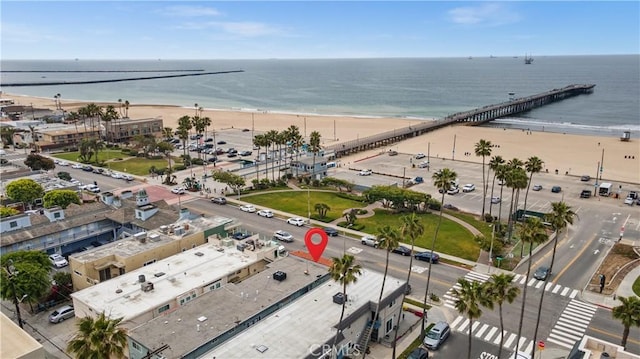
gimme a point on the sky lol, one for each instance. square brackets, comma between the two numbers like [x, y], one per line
[314, 29]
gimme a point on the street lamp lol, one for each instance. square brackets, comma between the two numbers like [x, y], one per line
[11, 273]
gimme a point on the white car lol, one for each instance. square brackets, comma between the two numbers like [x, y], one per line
[92, 188]
[178, 190]
[296, 221]
[423, 164]
[628, 200]
[248, 208]
[127, 177]
[420, 156]
[58, 261]
[116, 175]
[265, 213]
[370, 241]
[453, 190]
[63, 163]
[495, 200]
[469, 187]
[365, 173]
[283, 236]
[76, 166]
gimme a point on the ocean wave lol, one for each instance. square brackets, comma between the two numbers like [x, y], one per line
[519, 122]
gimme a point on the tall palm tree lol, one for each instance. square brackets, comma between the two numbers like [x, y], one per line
[469, 298]
[184, 125]
[532, 165]
[344, 271]
[494, 164]
[560, 217]
[629, 314]
[501, 174]
[296, 142]
[167, 132]
[500, 289]
[389, 239]
[108, 116]
[126, 108]
[531, 232]
[258, 141]
[516, 180]
[101, 337]
[483, 148]
[314, 147]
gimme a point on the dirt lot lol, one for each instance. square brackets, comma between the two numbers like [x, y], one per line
[621, 260]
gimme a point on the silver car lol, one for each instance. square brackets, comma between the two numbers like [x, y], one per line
[62, 313]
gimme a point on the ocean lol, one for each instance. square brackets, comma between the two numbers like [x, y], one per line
[416, 88]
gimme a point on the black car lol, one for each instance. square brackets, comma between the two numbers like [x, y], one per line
[87, 168]
[331, 232]
[230, 155]
[585, 178]
[419, 353]
[585, 193]
[212, 159]
[556, 189]
[541, 273]
[402, 250]
[219, 200]
[222, 142]
[451, 207]
[240, 236]
[427, 256]
[245, 153]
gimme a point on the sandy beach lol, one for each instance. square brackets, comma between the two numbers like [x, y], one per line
[572, 154]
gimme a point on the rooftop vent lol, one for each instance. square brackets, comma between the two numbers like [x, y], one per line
[146, 286]
[141, 278]
[199, 254]
[279, 276]
[159, 274]
[262, 348]
[339, 298]
[164, 229]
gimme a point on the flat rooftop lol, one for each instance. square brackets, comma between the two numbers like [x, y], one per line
[184, 330]
[132, 245]
[122, 296]
[307, 323]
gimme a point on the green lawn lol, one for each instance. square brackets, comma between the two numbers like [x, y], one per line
[132, 165]
[452, 238]
[296, 202]
[636, 286]
[103, 155]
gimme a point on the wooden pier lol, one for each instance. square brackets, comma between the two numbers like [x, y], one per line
[473, 117]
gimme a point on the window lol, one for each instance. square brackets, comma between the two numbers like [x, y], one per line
[392, 303]
[389, 325]
[188, 298]
[149, 262]
[77, 273]
[164, 308]
[105, 274]
[13, 224]
[136, 346]
[215, 285]
[122, 271]
[56, 215]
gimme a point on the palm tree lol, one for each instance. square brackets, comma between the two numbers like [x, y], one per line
[629, 314]
[271, 137]
[500, 288]
[388, 239]
[314, 147]
[532, 165]
[126, 108]
[184, 125]
[560, 216]
[469, 298]
[99, 338]
[532, 232]
[494, 164]
[110, 114]
[167, 132]
[501, 173]
[516, 179]
[344, 271]
[483, 148]
[258, 141]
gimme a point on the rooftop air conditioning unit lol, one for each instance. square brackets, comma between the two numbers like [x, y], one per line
[146, 286]
[164, 229]
[279, 276]
[339, 298]
[178, 231]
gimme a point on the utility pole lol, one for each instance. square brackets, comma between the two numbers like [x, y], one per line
[11, 273]
[453, 154]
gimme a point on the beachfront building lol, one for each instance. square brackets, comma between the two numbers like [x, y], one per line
[125, 129]
[66, 136]
[16, 343]
[306, 167]
[593, 348]
[100, 264]
[306, 327]
[164, 286]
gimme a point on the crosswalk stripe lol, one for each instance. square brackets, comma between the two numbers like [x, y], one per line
[496, 341]
[556, 289]
[574, 293]
[558, 342]
[569, 322]
[566, 335]
[564, 291]
[510, 340]
[529, 347]
[586, 306]
[449, 305]
[455, 322]
[521, 343]
[482, 330]
[576, 319]
[546, 287]
[522, 280]
[568, 329]
[531, 281]
[490, 334]
[576, 313]
[539, 284]
[464, 325]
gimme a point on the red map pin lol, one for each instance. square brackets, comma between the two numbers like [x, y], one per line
[316, 249]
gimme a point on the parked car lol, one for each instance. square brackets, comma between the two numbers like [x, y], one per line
[586, 193]
[178, 190]
[469, 187]
[541, 273]
[451, 207]
[283, 236]
[437, 335]
[62, 313]
[628, 200]
[365, 173]
[219, 200]
[370, 241]
[419, 353]
[537, 187]
[585, 178]
[87, 168]
[265, 213]
[296, 221]
[63, 163]
[393, 153]
[420, 156]
[495, 200]
[222, 142]
[330, 231]
[240, 236]
[427, 256]
[248, 208]
[245, 153]
[423, 164]
[453, 190]
[556, 189]
[93, 188]
[77, 166]
[402, 250]
[58, 261]
[212, 159]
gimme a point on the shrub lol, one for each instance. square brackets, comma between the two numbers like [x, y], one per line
[197, 161]
[179, 168]
[156, 157]
[126, 150]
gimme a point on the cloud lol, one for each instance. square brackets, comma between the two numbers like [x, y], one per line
[18, 33]
[489, 14]
[189, 11]
[238, 28]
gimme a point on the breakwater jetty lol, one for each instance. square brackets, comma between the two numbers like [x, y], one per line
[473, 117]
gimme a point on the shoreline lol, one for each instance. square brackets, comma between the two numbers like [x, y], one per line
[575, 154]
